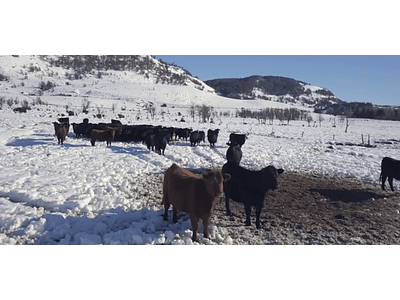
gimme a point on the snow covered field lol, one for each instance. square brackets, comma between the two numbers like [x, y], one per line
[79, 194]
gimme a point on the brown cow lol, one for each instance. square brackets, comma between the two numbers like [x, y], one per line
[61, 131]
[107, 134]
[192, 194]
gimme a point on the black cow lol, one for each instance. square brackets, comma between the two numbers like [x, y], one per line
[238, 139]
[212, 136]
[172, 132]
[79, 129]
[195, 138]
[249, 187]
[161, 143]
[390, 168]
[202, 135]
[129, 133]
[156, 142]
[182, 133]
[166, 132]
[141, 132]
[234, 153]
[150, 141]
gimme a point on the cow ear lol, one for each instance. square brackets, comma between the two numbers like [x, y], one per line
[280, 171]
[226, 177]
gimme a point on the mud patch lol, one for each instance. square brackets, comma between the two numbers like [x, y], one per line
[314, 209]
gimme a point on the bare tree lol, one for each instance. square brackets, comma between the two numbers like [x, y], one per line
[151, 109]
[114, 107]
[85, 105]
[309, 120]
[334, 121]
[205, 112]
[192, 110]
[320, 119]
[348, 122]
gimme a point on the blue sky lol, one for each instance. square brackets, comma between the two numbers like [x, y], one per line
[361, 78]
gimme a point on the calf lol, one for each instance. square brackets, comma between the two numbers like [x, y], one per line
[249, 187]
[61, 131]
[238, 139]
[192, 194]
[212, 136]
[390, 168]
[107, 134]
[234, 153]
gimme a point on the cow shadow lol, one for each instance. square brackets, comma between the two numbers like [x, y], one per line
[136, 151]
[187, 144]
[348, 196]
[27, 142]
[42, 139]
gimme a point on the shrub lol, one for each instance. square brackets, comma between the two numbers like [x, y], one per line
[3, 77]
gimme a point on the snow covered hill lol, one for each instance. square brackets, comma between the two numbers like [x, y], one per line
[129, 88]
[275, 88]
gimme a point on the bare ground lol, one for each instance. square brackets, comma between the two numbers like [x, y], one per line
[310, 209]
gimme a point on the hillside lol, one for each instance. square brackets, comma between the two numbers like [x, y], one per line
[136, 81]
[129, 81]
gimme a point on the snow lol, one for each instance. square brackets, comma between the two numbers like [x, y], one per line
[78, 194]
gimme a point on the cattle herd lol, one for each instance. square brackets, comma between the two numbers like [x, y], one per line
[197, 194]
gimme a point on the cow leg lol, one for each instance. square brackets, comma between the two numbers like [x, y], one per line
[166, 207]
[383, 181]
[206, 223]
[195, 226]
[228, 209]
[247, 209]
[174, 215]
[258, 213]
[391, 183]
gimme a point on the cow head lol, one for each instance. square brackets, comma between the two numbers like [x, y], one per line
[215, 180]
[269, 177]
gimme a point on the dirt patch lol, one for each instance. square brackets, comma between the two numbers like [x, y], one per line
[314, 209]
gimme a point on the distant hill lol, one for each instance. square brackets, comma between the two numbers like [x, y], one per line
[271, 88]
[288, 90]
